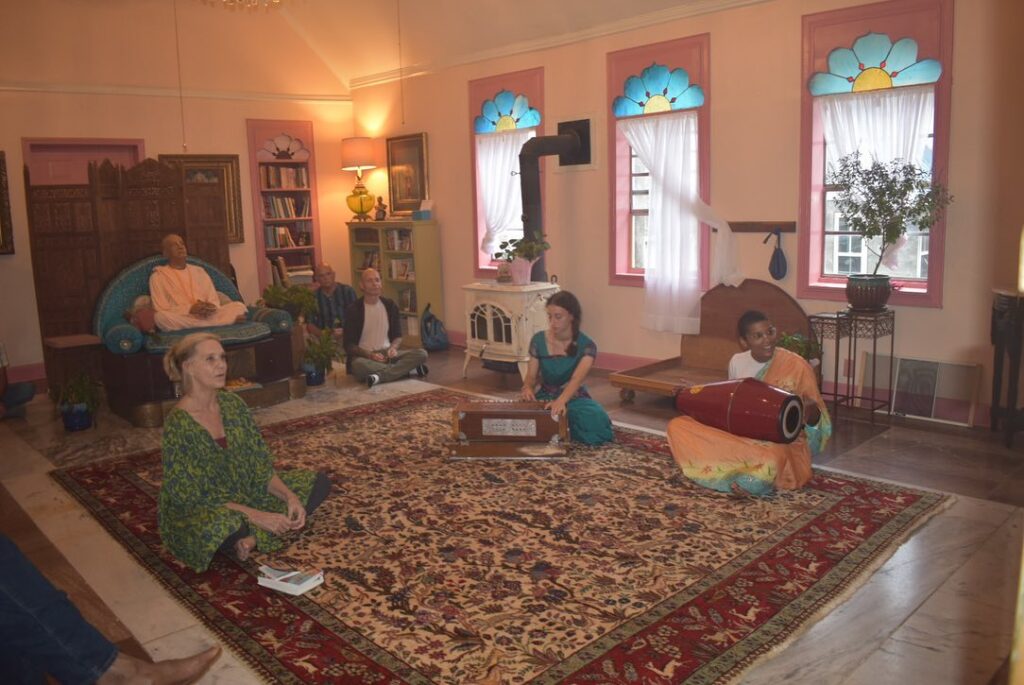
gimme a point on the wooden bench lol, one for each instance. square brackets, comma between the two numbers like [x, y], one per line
[704, 358]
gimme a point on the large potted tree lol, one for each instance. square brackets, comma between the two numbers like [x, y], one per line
[883, 200]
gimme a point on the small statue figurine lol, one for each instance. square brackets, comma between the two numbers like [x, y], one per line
[382, 209]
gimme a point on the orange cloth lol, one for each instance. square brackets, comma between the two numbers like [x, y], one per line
[717, 459]
[174, 291]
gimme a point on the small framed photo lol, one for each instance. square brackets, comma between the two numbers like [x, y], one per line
[407, 173]
[204, 173]
[6, 226]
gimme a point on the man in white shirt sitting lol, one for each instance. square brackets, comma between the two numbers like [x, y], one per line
[183, 294]
[373, 335]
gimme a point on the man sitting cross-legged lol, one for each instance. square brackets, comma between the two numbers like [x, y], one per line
[373, 336]
[183, 295]
[332, 300]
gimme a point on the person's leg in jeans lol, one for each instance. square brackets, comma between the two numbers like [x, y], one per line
[14, 399]
[42, 629]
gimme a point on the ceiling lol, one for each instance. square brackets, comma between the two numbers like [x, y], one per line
[379, 36]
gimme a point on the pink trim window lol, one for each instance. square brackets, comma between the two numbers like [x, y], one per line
[693, 55]
[930, 24]
[529, 83]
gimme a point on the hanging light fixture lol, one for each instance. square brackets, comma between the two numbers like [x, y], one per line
[357, 155]
[249, 4]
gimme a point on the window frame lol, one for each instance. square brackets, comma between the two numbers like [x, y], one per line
[930, 23]
[529, 82]
[634, 213]
[692, 53]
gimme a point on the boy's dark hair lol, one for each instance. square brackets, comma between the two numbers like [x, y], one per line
[748, 319]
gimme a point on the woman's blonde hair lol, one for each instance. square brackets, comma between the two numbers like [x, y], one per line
[180, 353]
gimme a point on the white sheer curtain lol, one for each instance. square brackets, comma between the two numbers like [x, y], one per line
[667, 145]
[500, 193]
[883, 125]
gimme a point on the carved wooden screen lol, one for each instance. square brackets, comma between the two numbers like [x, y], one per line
[84, 235]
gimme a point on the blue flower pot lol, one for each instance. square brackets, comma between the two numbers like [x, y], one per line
[76, 417]
[315, 376]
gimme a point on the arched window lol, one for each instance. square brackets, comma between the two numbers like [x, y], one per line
[885, 95]
[505, 114]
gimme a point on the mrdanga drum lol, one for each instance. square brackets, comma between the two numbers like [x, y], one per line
[746, 407]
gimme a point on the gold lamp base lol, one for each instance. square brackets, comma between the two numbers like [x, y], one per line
[360, 202]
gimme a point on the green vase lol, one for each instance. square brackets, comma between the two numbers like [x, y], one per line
[868, 292]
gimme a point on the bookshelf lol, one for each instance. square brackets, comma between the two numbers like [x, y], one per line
[284, 198]
[408, 256]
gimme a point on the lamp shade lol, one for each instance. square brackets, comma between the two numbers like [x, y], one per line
[357, 154]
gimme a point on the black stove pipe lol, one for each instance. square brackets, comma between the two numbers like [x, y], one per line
[529, 178]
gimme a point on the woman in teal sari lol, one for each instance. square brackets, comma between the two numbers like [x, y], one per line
[561, 357]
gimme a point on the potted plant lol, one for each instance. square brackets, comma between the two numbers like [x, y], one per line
[799, 344]
[321, 350]
[520, 254]
[882, 200]
[77, 401]
[297, 300]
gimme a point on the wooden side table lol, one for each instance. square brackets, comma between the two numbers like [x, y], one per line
[65, 355]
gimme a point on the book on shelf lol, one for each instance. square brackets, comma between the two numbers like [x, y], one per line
[407, 300]
[399, 240]
[371, 259]
[402, 269]
[300, 273]
[276, 177]
[284, 237]
[289, 581]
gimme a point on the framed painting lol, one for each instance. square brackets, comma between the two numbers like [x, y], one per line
[6, 227]
[407, 173]
[201, 172]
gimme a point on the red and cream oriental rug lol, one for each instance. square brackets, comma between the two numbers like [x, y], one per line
[607, 567]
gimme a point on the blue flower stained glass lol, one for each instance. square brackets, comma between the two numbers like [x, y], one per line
[657, 89]
[874, 63]
[506, 112]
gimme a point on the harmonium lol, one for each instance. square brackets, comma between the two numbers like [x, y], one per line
[507, 430]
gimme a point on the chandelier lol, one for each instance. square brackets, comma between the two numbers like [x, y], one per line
[249, 4]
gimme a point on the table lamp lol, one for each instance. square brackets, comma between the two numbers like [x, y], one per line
[357, 155]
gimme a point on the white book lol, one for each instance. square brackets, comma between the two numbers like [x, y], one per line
[290, 582]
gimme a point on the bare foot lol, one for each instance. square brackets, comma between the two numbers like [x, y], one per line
[127, 669]
[241, 318]
[244, 547]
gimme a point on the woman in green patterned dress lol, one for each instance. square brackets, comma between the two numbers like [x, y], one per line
[220, 491]
[560, 359]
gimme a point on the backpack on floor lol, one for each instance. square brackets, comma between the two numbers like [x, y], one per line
[432, 332]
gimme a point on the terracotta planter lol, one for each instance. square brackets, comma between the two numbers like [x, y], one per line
[867, 292]
[521, 269]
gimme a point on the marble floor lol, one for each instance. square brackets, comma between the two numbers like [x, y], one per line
[940, 610]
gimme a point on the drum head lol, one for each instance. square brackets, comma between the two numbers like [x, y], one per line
[791, 419]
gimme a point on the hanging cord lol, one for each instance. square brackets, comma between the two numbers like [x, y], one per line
[181, 95]
[401, 80]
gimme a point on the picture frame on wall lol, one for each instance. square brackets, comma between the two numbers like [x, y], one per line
[200, 171]
[6, 226]
[408, 184]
